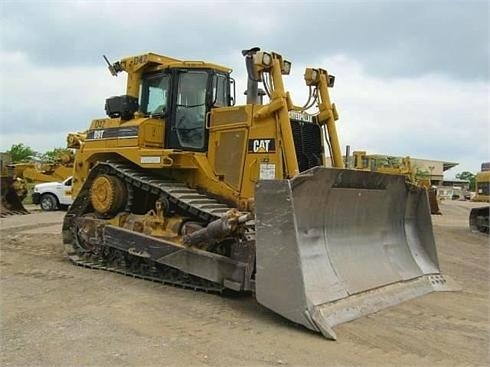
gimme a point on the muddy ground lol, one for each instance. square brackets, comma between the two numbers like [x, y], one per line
[56, 314]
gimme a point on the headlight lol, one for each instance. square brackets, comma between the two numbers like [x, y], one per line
[286, 67]
[311, 76]
[266, 59]
[314, 75]
[263, 60]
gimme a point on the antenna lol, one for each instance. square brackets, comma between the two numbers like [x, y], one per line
[113, 68]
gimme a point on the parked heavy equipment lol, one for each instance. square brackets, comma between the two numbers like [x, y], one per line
[479, 217]
[38, 171]
[397, 166]
[13, 190]
[180, 185]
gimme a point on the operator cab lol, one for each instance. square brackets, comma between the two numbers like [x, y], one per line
[183, 97]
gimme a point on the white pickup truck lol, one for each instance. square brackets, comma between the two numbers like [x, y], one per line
[53, 195]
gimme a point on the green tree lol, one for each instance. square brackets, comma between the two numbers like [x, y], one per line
[422, 173]
[468, 176]
[54, 154]
[20, 152]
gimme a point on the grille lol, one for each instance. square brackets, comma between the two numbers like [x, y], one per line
[308, 144]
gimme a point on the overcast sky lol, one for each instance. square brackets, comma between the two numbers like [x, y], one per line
[412, 77]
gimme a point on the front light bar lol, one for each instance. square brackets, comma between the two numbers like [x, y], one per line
[312, 77]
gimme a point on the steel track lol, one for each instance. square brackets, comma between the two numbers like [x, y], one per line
[189, 201]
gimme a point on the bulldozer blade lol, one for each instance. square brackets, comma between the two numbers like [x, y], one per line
[10, 203]
[333, 245]
[479, 219]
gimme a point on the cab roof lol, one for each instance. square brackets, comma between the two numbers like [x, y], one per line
[155, 61]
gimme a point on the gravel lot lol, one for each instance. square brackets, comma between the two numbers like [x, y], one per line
[56, 314]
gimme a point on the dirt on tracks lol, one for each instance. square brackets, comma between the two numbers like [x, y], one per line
[56, 314]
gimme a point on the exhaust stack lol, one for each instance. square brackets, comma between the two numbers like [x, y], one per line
[252, 92]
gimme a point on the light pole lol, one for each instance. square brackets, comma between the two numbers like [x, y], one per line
[431, 168]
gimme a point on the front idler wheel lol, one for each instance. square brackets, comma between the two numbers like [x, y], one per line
[108, 194]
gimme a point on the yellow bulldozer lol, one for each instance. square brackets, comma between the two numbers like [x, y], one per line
[479, 217]
[181, 185]
[13, 190]
[43, 171]
[396, 166]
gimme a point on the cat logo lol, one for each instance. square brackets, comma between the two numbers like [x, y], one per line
[261, 145]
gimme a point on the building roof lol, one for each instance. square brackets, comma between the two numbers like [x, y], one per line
[445, 165]
[448, 165]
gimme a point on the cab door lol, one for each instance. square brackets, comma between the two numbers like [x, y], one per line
[188, 114]
[65, 192]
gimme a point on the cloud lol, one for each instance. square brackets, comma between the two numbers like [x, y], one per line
[428, 117]
[398, 38]
[46, 100]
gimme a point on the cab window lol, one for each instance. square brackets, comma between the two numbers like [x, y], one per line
[154, 94]
[190, 109]
[220, 92]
